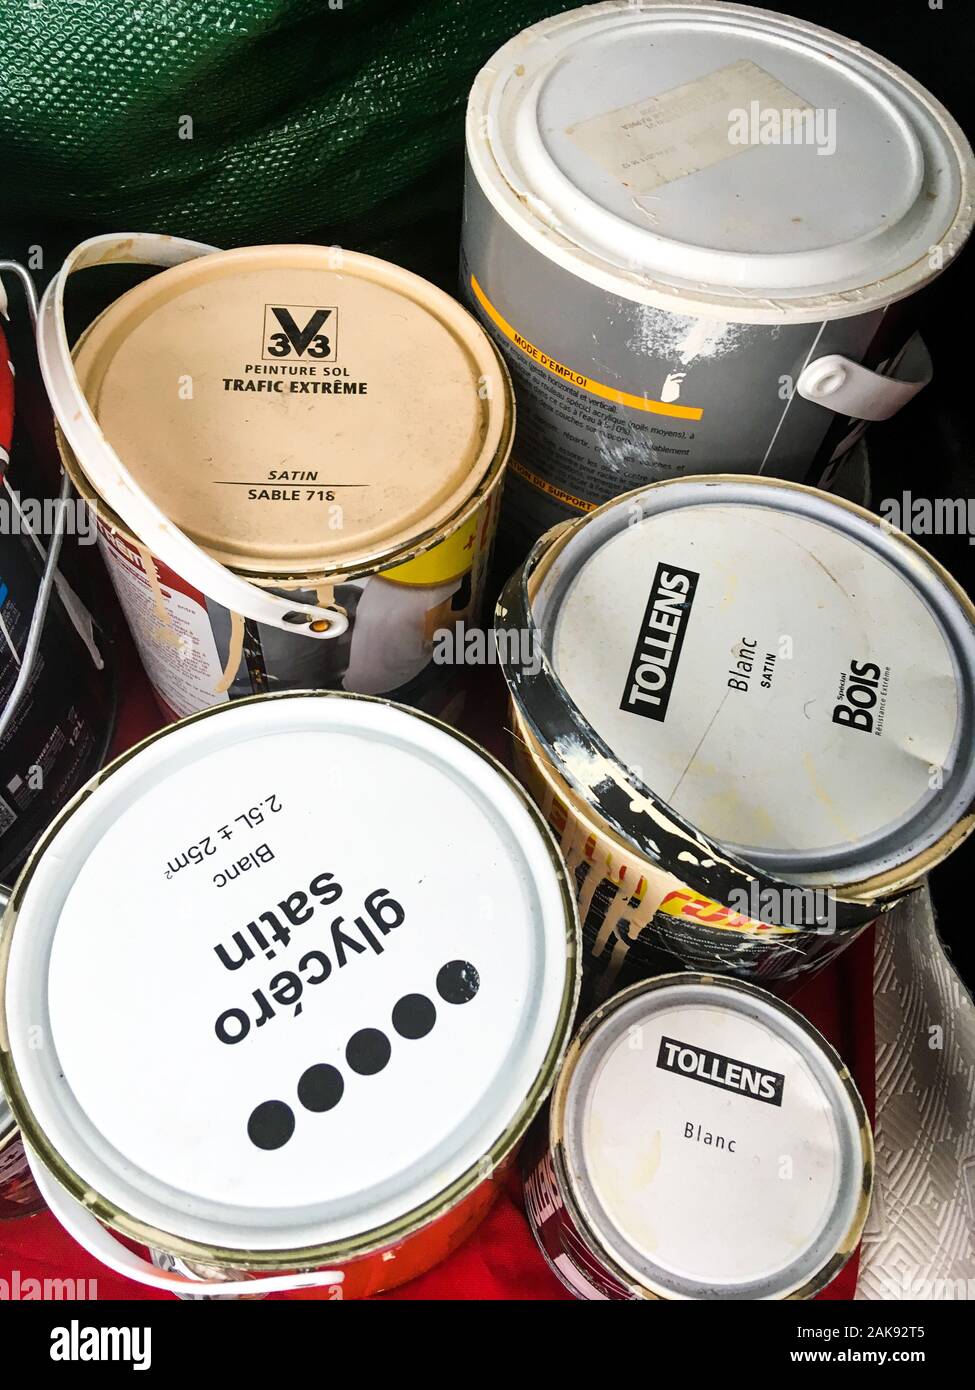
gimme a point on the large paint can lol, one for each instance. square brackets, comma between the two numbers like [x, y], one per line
[747, 709]
[282, 991]
[18, 1191]
[697, 233]
[57, 694]
[704, 1142]
[296, 455]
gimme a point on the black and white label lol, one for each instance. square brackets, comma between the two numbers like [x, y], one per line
[653, 669]
[300, 332]
[709, 1184]
[716, 1070]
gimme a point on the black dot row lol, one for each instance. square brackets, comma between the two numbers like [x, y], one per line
[320, 1088]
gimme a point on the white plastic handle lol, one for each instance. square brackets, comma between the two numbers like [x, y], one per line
[93, 1237]
[106, 471]
[848, 388]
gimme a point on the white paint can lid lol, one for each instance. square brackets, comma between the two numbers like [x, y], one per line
[714, 1143]
[723, 155]
[786, 673]
[297, 970]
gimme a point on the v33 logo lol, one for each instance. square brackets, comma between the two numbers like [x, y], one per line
[300, 331]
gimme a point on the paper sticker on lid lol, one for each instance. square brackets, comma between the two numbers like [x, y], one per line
[725, 147]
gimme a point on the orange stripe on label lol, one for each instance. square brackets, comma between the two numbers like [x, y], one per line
[568, 498]
[584, 383]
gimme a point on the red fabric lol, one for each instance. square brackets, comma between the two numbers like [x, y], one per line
[6, 400]
[501, 1260]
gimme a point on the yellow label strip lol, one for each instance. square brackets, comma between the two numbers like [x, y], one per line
[584, 383]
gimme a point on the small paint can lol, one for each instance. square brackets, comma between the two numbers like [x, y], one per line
[303, 968]
[704, 1142]
[697, 233]
[57, 692]
[746, 707]
[296, 455]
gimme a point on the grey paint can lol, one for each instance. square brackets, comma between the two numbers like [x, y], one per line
[696, 232]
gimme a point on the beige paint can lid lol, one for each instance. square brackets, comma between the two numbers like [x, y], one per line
[713, 1144]
[298, 409]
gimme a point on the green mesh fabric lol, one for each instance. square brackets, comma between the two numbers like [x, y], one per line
[309, 123]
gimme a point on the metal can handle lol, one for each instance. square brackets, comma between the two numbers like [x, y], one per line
[107, 473]
[849, 388]
[98, 1241]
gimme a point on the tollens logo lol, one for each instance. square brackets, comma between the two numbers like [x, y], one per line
[300, 331]
[715, 1070]
[654, 664]
[860, 695]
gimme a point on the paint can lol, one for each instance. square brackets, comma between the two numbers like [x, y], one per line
[704, 1142]
[57, 696]
[746, 708]
[697, 233]
[327, 958]
[295, 453]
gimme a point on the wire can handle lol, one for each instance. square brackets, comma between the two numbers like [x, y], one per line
[107, 473]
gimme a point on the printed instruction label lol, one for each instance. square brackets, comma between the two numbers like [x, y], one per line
[683, 131]
[171, 629]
